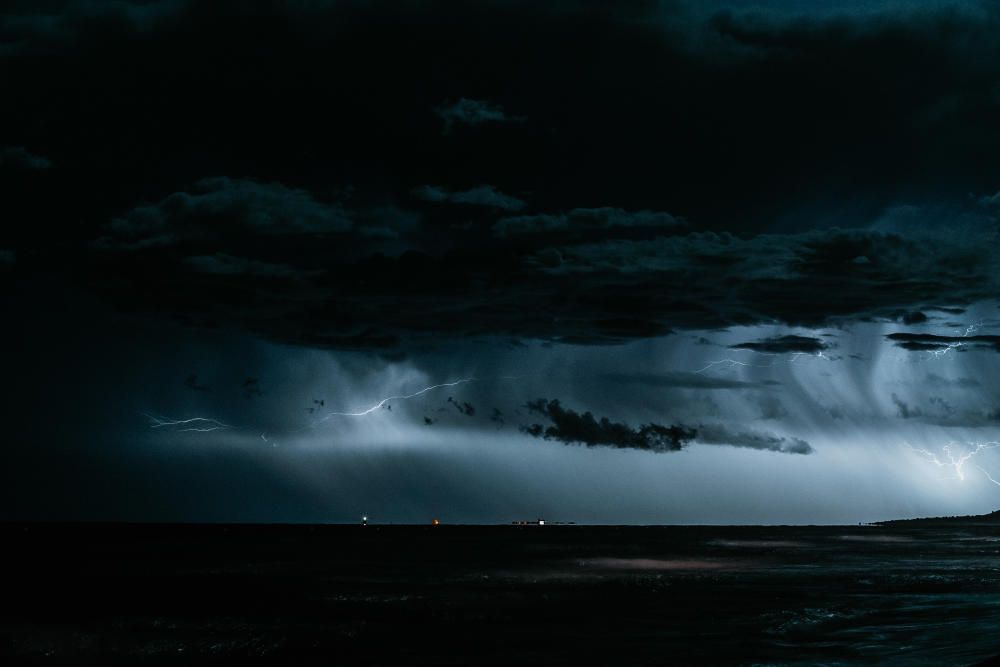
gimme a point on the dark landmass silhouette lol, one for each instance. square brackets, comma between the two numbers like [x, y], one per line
[976, 519]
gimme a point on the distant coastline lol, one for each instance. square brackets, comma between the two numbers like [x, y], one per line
[977, 519]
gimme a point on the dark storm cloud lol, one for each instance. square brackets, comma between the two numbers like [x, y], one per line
[222, 264]
[921, 342]
[18, 157]
[682, 380]
[371, 277]
[805, 278]
[913, 317]
[43, 28]
[991, 203]
[621, 122]
[481, 195]
[472, 112]
[783, 344]
[657, 105]
[238, 227]
[463, 407]
[222, 210]
[582, 222]
[572, 427]
[716, 434]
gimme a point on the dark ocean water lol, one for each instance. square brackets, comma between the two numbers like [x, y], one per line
[107, 594]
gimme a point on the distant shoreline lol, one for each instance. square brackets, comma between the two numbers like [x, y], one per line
[976, 519]
[7, 525]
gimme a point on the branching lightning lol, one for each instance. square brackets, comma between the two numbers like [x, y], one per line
[957, 461]
[208, 424]
[384, 401]
[730, 364]
[973, 328]
[988, 476]
[194, 424]
[948, 347]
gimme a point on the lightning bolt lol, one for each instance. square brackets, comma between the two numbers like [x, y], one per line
[973, 328]
[733, 363]
[194, 424]
[207, 424]
[988, 476]
[937, 354]
[969, 330]
[957, 461]
[401, 397]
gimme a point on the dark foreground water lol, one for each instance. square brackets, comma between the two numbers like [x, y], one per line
[339, 595]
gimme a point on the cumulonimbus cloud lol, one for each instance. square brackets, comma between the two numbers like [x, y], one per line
[569, 426]
[656, 227]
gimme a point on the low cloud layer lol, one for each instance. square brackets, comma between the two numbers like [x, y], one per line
[922, 342]
[717, 434]
[784, 344]
[570, 427]
[369, 276]
[573, 427]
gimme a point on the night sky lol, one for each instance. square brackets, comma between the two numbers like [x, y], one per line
[631, 262]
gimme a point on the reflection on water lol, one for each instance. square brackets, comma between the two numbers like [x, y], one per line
[879, 596]
[627, 564]
[875, 537]
[897, 595]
